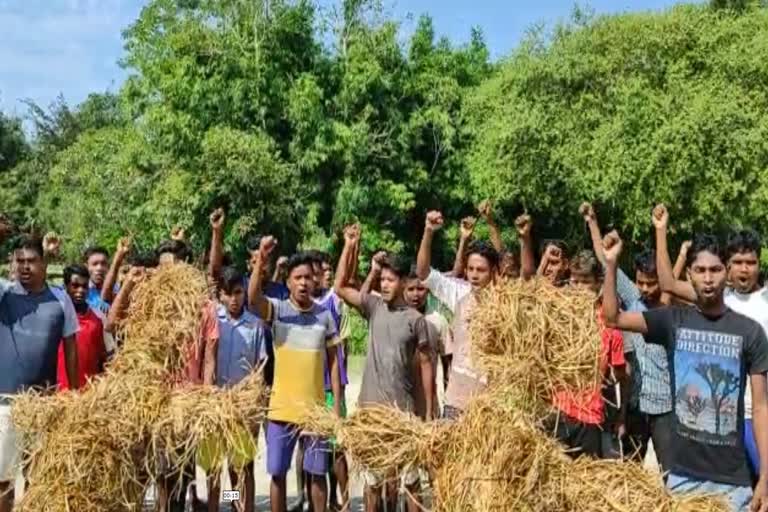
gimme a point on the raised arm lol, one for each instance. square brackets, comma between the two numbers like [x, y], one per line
[278, 276]
[679, 268]
[486, 211]
[374, 272]
[216, 258]
[524, 224]
[116, 312]
[466, 229]
[588, 212]
[341, 285]
[681, 289]
[424, 259]
[257, 302]
[614, 317]
[108, 288]
[51, 246]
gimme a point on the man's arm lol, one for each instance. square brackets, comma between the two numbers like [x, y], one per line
[524, 224]
[209, 362]
[465, 235]
[278, 276]
[681, 289]
[333, 362]
[70, 361]
[434, 222]
[588, 212]
[427, 372]
[614, 317]
[486, 211]
[341, 284]
[108, 288]
[123, 298]
[682, 256]
[257, 302]
[760, 425]
[545, 260]
[216, 257]
[374, 272]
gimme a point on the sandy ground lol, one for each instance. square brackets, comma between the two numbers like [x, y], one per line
[262, 479]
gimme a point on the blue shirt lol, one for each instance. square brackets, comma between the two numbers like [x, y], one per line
[95, 301]
[651, 385]
[31, 329]
[242, 346]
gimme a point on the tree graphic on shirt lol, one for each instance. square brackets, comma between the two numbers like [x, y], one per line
[721, 384]
[696, 405]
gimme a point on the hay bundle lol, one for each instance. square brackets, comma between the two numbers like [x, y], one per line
[610, 486]
[495, 459]
[537, 337]
[85, 451]
[380, 439]
[96, 450]
[163, 320]
[223, 420]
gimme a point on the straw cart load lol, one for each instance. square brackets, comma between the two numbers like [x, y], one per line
[98, 449]
[531, 340]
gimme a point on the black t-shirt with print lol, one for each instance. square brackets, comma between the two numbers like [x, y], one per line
[709, 360]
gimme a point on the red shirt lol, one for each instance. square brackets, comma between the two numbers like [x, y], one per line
[589, 407]
[91, 351]
[197, 350]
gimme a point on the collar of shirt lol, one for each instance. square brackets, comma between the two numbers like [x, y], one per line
[246, 317]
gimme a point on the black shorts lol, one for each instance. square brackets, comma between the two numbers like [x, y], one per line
[579, 438]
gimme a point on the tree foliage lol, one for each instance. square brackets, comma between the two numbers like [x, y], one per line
[627, 111]
[297, 120]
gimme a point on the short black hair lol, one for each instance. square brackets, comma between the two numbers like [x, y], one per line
[253, 242]
[560, 244]
[397, 264]
[143, 259]
[742, 241]
[318, 257]
[585, 263]
[702, 243]
[94, 249]
[75, 270]
[486, 250]
[30, 243]
[230, 278]
[645, 262]
[179, 249]
[299, 259]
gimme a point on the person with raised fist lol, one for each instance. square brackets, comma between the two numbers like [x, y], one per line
[714, 355]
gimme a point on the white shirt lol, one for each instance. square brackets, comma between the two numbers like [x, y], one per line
[755, 306]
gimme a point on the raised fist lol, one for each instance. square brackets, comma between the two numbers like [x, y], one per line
[467, 227]
[587, 211]
[612, 246]
[434, 220]
[217, 219]
[523, 224]
[660, 217]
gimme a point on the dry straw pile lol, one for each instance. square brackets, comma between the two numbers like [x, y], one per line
[531, 340]
[98, 449]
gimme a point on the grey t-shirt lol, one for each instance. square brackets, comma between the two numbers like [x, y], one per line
[394, 336]
[31, 328]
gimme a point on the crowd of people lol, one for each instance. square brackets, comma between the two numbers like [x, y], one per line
[684, 352]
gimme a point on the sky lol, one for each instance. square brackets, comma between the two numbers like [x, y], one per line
[72, 47]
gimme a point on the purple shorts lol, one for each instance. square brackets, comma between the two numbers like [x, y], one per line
[281, 441]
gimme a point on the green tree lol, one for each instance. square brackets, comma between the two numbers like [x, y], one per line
[626, 111]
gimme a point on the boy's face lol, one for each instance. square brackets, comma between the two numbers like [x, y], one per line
[78, 289]
[233, 300]
[301, 284]
[708, 276]
[648, 286]
[391, 285]
[509, 267]
[586, 281]
[479, 271]
[415, 293]
[317, 274]
[327, 276]
[97, 264]
[744, 271]
[557, 268]
[166, 258]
